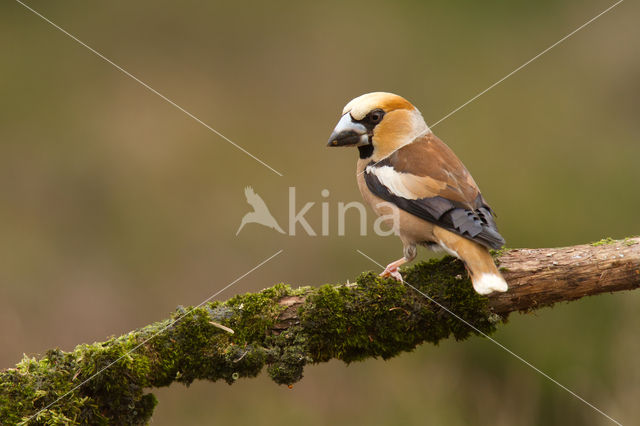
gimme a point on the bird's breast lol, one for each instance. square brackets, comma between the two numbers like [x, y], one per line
[409, 227]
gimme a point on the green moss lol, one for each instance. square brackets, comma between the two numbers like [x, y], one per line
[629, 242]
[382, 317]
[35, 384]
[496, 254]
[604, 241]
[256, 313]
[105, 382]
[288, 356]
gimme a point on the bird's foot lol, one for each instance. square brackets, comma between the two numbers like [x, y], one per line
[392, 271]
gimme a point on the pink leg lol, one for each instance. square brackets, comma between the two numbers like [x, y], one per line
[392, 269]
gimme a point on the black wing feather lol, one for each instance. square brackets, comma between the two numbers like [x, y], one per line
[476, 225]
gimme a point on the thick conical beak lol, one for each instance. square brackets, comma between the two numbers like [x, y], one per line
[348, 133]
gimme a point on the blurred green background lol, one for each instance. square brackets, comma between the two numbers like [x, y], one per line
[115, 207]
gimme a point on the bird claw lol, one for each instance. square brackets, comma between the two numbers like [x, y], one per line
[392, 271]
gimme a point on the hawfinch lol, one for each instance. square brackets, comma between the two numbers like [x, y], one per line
[418, 185]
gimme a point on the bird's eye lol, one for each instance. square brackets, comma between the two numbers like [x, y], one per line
[376, 115]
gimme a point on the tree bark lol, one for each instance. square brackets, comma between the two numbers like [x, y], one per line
[542, 277]
[283, 329]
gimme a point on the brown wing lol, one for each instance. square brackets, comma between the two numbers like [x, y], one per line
[432, 160]
[426, 179]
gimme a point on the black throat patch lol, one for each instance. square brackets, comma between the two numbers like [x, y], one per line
[366, 151]
[370, 121]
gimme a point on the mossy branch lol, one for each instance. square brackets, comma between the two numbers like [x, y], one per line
[284, 329]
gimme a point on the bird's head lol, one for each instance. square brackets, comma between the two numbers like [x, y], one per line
[378, 123]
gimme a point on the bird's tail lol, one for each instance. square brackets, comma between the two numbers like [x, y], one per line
[482, 269]
[485, 275]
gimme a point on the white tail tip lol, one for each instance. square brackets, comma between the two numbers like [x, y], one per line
[488, 283]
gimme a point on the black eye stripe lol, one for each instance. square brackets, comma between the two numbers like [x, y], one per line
[372, 119]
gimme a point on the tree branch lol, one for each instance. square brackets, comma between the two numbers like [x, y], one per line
[284, 329]
[542, 277]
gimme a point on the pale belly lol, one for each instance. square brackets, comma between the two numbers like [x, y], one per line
[411, 229]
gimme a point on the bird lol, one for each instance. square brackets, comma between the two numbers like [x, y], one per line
[260, 213]
[419, 187]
